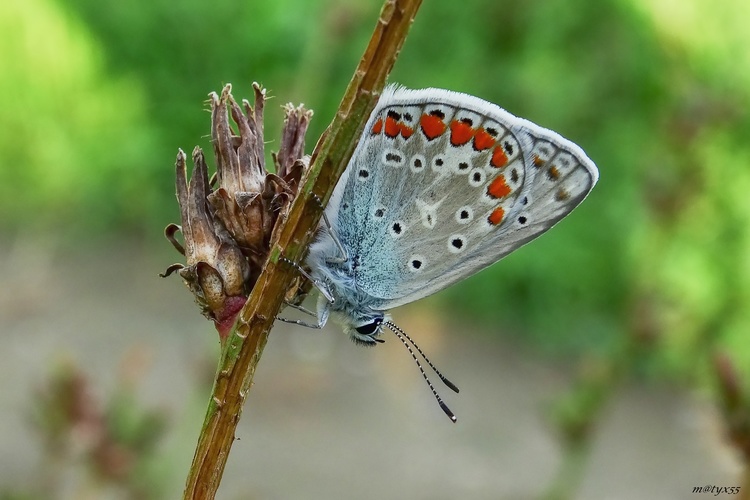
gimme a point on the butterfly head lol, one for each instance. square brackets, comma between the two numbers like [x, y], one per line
[347, 305]
[367, 333]
[366, 329]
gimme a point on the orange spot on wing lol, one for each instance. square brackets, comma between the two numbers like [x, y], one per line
[538, 162]
[483, 140]
[378, 127]
[405, 130]
[432, 126]
[391, 127]
[496, 217]
[461, 133]
[499, 158]
[562, 195]
[553, 173]
[498, 188]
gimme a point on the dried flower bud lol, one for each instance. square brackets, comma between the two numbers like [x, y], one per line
[249, 199]
[229, 232]
[291, 162]
[205, 240]
[216, 270]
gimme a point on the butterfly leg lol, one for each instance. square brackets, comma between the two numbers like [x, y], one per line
[299, 322]
[343, 256]
[300, 308]
[317, 283]
[317, 326]
[321, 317]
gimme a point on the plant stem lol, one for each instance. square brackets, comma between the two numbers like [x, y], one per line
[245, 344]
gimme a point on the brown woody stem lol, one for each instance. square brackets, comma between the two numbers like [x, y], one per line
[245, 344]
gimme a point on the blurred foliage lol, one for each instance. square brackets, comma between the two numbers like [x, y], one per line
[95, 449]
[101, 94]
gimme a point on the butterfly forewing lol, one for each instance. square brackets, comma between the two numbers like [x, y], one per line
[442, 185]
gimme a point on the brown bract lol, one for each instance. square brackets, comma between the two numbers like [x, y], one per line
[228, 231]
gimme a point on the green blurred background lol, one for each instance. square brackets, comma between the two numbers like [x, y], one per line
[644, 284]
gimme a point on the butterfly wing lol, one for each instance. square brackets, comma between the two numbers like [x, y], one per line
[443, 185]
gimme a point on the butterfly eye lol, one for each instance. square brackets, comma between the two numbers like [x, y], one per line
[370, 328]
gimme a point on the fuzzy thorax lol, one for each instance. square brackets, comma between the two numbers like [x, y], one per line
[351, 307]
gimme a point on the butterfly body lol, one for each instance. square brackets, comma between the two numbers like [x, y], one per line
[441, 185]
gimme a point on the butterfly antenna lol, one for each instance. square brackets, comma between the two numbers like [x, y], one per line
[398, 332]
[445, 380]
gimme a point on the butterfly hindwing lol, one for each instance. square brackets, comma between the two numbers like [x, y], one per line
[443, 185]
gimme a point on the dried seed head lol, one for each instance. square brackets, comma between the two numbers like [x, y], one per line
[216, 270]
[228, 232]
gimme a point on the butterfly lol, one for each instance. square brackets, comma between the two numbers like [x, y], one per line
[441, 185]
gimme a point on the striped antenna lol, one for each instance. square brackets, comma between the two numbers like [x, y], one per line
[403, 337]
